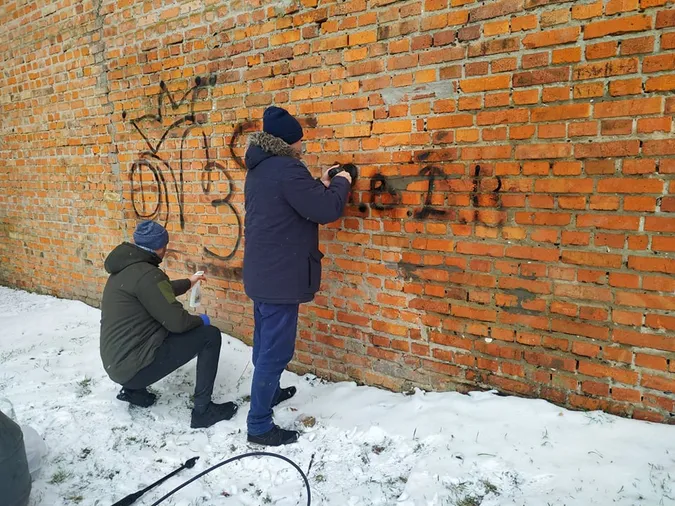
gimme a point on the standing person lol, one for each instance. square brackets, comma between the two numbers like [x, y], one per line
[282, 262]
[146, 334]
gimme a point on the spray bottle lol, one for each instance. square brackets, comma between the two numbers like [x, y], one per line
[196, 293]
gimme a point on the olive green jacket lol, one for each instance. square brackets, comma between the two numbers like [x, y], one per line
[138, 311]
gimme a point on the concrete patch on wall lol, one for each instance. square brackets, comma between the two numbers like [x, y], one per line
[437, 90]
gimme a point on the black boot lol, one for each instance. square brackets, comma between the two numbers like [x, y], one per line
[275, 437]
[212, 414]
[140, 397]
[284, 395]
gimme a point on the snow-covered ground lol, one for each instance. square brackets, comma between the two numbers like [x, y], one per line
[367, 447]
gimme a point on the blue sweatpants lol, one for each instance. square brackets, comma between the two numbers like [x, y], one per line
[275, 327]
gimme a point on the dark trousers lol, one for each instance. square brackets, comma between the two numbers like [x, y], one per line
[177, 350]
[273, 347]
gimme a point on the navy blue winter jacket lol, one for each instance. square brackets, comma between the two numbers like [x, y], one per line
[284, 207]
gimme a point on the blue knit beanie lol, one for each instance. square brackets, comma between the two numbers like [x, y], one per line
[151, 235]
[280, 123]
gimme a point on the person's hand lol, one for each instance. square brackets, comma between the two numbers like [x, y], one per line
[324, 177]
[205, 319]
[196, 277]
[345, 175]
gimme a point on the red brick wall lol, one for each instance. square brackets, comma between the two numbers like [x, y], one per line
[513, 224]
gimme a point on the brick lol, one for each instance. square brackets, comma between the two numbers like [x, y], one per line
[587, 11]
[645, 300]
[402, 62]
[494, 46]
[651, 125]
[668, 41]
[661, 83]
[663, 244]
[495, 9]
[616, 67]
[607, 149]
[552, 37]
[534, 60]
[637, 45]
[618, 6]
[485, 84]
[660, 147]
[601, 371]
[543, 151]
[555, 17]
[629, 185]
[567, 55]
[665, 19]
[523, 23]
[562, 112]
[468, 33]
[561, 185]
[659, 63]
[644, 204]
[503, 65]
[450, 121]
[537, 77]
[652, 264]
[595, 388]
[580, 329]
[657, 224]
[608, 222]
[651, 361]
[617, 26]
[659, 321]
[550, 361]
[502, 117]
[661, 402]
[617, 127]
[626, 394]
[589, 90]
[339, 118]
[444, 38]
[435, 5]
[591, 259]
[601, 50]
[528, 253]
[664, 384]
[639, 166]
[544, 219]
[365, 37]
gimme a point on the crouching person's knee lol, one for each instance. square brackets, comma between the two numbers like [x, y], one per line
[213, 335]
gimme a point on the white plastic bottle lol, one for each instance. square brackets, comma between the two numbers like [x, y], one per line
[196, 293]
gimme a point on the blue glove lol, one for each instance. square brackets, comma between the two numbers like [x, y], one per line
[205, 319]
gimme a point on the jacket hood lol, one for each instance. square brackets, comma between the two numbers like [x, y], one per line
[262, 146]
[127, 254]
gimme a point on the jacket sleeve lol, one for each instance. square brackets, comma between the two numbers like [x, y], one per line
[310, 198]
[155, 292]
[180, 286]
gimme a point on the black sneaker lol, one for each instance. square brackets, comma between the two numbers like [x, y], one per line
[284, 395]
[213, 414]
[141, 397]
[275, 437]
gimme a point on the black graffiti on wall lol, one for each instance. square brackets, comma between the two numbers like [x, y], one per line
[150, 195]
[239, 130]
[158, 183]
[386, 193]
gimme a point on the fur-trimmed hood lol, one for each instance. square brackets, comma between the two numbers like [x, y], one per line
[262, 146]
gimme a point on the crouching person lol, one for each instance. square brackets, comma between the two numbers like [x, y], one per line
[146, 334]
[282, 261]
